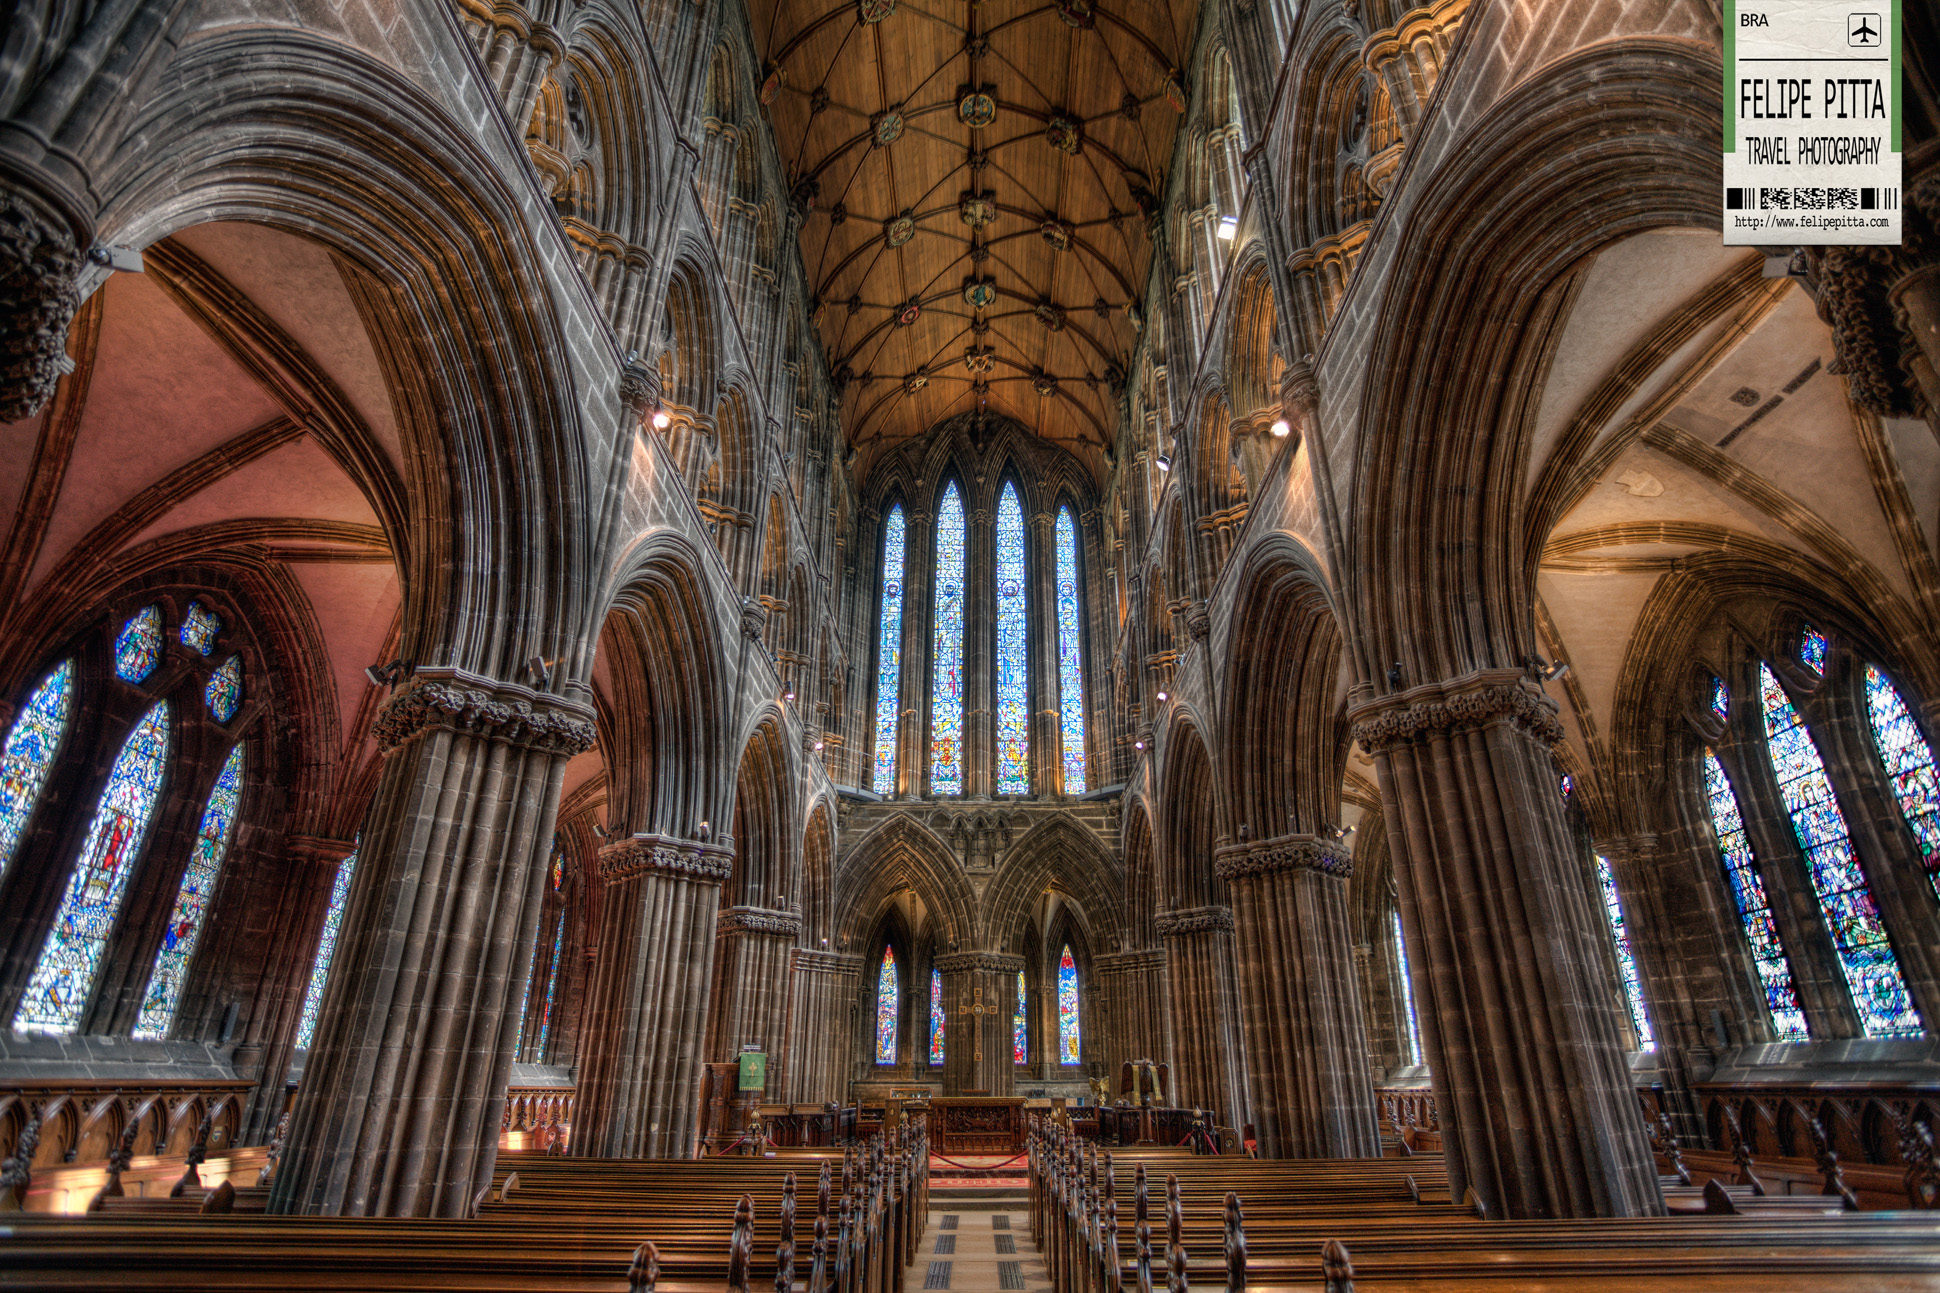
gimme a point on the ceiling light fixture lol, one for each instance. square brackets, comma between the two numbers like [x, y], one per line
[1282, 428]
[1228, 227]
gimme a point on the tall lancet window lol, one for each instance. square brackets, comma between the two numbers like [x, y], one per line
[1633, 990]
[1865, 952]
[29, 752]
[1013, 692]
[1067, 1008]
[1071, 674]
[1020, 1040]
[333, 921]
[889, 652]
[71, 957]
[936, 1016]
[946, 698]
[1754, 910]
[1908, 761]
[552, 987]
[886, 1001]
[192, 902]
[1413, 1038]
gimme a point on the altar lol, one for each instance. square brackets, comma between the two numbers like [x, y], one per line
[970, 1124]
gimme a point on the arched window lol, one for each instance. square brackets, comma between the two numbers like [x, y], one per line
[138, 647]
[936, 1016]
[889, 652]
[1633, 991]
[29, 752]
[1908, 761]
[225, 690]
[886, 1002]
[1865, 952]
[1071, 681]
[333, 920]
[71, 957]
[946, 699]
[1754, 911]
[1067, 1008]
[1413, 1039]
[1013, 651]
[198, 886]
[1020, 1041]
[552, 987]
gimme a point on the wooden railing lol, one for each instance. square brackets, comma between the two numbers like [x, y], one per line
[80, 1121]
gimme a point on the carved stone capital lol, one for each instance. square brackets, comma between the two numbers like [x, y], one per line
[810, 961]
[754, 618]
[1283, 853]
[639, 388]
[1194, 920]
[310, 850]
[1141, 962]
[689, 859]
[1437, 709]
[455, 701]
[39, 263]
[758, 920]
[1198, 622]
[1624, 847]
[991, 962]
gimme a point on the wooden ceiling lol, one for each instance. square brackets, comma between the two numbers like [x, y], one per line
[1042, 210]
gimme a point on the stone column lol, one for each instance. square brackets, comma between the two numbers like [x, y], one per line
[646, 1009]
[819, 1044]
[1208, 1065]
[751, 946]
[1306, 1039]
[402, 1095]
[979, 1001]
[1537, 1111]
[1133, 988]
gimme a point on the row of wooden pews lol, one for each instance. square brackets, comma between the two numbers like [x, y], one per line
[1139, 1218]
[826, 1221]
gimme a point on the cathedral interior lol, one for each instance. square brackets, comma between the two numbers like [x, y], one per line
[954, 551]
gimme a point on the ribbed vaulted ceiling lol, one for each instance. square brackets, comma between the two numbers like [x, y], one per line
[959, 264]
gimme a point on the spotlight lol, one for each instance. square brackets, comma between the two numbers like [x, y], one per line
[540, 671]
[599, 830]
[1554, 670]
[1282, 428]
[1164, 463]
[818, 746]
[384, 675]
[661, 421]
[789, 695]
[1163, 696]
[1138, 745]
[1228, 227]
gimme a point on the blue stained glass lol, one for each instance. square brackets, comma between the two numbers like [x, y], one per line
[1812, 650]
[1633, 989]
[1567, 785]
[1067, 1009]
[1407, 991]
[1748, 892]
[552, 987]
[138, 647]
[946, 699]
[1013, 695]
[1908, 761]
[333, 920]
[1865, 951]
[192, 902]
[937, 1021]
[1720, 700]
[71, 957]
[225, 690]
[889, 652]
[1020, 1044]
[886, 1002]
[199, 628]
[29, 752]
[1071, 677]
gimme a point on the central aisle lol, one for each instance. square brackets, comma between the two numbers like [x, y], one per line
[968, 1249]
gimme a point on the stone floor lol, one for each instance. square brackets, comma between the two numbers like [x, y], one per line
[966, 1249]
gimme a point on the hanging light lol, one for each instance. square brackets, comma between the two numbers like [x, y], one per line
[1282, 428]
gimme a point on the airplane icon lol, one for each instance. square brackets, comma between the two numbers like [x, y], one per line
[1860, 29]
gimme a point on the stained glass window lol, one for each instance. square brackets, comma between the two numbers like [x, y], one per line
[333, 919]
[889, 652]
[1020, 1041]
[1633, 989]
[1407, 991]
[1865, 952]
[138, 647]
[946, 701]
[71, 957]
[937, 1022]
[1067, 1008]
[1748, 891]
[1720, 700]
[552, 987]
[1013, 695]
[199, 628]
[225, 690]
[29, 752]
[192, 902]
[1567, 785]
[1071, 673]
[1908, 761]
[1812, 650]
[886, 1009]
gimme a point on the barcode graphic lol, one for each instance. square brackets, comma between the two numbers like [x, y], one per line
[1811, 199]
